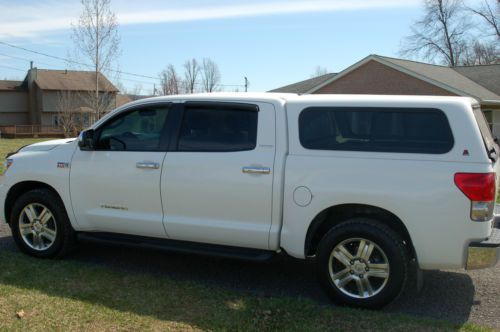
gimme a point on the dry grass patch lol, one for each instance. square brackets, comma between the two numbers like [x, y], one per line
[65, 295]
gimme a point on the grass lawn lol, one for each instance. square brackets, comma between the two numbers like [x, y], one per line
[66, 295]
[13, 144]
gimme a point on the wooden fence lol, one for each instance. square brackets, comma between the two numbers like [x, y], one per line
[20, 131]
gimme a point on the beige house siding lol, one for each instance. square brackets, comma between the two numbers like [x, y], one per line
[8, 119]
[47, 119]
[13, 108]
[49, 101]
[13, 101]
[376, 78]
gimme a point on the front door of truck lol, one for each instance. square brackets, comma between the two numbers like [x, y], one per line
[116, 187]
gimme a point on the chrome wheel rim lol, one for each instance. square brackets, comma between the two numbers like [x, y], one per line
[37, 226]
[359, 268]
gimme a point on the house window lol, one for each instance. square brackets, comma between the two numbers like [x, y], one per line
[56, 121]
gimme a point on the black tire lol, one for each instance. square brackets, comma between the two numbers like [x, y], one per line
[388, 246]
[65, 239]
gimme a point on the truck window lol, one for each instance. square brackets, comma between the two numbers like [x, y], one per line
[375, 129]
[138, 130]
[218, 130]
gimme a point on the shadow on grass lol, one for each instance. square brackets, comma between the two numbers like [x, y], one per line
[207, 291]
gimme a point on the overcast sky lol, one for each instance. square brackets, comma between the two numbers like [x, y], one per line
[273, 42]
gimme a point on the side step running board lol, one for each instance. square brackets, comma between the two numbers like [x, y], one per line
[178, 246]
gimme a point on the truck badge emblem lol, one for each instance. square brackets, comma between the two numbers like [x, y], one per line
[62, 165]
[466, 153]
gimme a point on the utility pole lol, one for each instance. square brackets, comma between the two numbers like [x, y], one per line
[98, 20]
[246, 84]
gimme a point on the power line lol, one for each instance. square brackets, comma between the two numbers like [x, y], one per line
[13, 68]
[75, 62]
[29, 60]
[90, 66]
[25, 59]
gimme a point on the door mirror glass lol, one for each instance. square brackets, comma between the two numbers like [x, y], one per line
[86, 140]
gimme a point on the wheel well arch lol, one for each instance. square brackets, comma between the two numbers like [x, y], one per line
[19, 189]
[334, 215]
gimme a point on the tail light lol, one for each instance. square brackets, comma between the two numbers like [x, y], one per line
[480, 188]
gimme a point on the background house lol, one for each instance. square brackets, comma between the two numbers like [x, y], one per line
[46, 88]
[383, 75]
[45, 97]
[13, 103]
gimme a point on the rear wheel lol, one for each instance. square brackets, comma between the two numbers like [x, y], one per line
[362, 263]
[40, 225]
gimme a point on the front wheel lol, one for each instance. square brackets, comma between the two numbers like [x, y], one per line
[40, 225]
[362, 263]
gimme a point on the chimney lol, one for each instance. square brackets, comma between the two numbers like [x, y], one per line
[31, 64]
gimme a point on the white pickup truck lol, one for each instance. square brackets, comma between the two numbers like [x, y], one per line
[362, 184]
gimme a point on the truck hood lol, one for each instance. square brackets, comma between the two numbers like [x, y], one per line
[47, 145]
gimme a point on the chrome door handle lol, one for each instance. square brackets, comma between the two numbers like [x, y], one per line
[256, 170]
[147, 165]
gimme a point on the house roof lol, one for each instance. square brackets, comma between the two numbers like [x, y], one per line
[71, 80]
[445, 77]
[6, 85]
[306, 85]
[485, 75]
[481, 82]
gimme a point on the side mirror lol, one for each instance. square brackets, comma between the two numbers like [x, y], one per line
[86, 140]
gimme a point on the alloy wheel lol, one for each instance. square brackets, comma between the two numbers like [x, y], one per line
[37, 226]
[359, 268]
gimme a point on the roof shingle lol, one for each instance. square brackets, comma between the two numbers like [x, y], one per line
[445, 75]
[6, 85]
[71, 80]
[486, 75]
[306, 85]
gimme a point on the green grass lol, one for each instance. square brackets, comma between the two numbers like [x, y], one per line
[11, 145]
[67, 295]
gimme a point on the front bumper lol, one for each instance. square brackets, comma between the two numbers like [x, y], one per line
[484, 254]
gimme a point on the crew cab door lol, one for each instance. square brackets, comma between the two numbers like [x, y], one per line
[217, 183]
[116, 186]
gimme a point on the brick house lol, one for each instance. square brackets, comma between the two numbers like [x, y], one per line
[383, 75]
[36, 100]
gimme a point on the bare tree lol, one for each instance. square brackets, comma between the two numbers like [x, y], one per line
[137, 90]
[170, 81]
[191, 72]
[489, 15]
[66, 105]
[480, 53]
[319, 71]
[210, 75]
[96, 38]
[441, 34]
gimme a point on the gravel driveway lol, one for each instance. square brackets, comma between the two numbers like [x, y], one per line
[456, 296]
